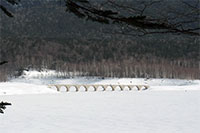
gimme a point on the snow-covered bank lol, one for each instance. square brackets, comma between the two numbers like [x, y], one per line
[34, 82]
[18, 88]
[116, 112]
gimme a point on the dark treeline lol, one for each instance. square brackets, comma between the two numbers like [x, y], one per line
[110, 58]
[50, 38]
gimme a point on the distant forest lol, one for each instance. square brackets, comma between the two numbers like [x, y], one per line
[46, 36]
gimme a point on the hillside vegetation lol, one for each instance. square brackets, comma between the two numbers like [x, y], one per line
[45, 36]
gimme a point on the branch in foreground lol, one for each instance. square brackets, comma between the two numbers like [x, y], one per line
[140, 23]
[4, 9]
[3, 62]
[3, 106]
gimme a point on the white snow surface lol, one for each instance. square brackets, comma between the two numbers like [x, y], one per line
[168, 106]
[35, 82]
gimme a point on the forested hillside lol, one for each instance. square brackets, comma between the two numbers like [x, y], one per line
[46, 36]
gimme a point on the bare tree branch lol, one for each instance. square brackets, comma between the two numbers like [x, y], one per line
[3, 62]
[4, 9]
[3, 106]
[175, 24]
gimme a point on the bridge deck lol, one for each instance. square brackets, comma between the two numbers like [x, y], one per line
[97, 86]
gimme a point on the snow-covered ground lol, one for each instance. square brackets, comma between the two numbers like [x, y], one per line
[34, 82]
[169, 106]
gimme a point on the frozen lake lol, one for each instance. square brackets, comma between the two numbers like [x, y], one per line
[117, 112]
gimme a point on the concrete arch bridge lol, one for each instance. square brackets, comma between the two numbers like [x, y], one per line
[96, 87]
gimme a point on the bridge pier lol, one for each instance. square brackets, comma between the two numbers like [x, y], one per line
[57, 87]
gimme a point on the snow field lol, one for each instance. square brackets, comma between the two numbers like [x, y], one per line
[169, 106]
[117, 112]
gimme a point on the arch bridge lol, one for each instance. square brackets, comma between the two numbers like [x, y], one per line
[97, 86]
